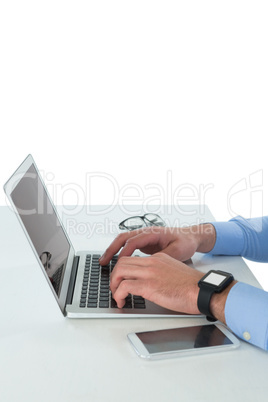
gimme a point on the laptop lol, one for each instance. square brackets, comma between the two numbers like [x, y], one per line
[79, 284]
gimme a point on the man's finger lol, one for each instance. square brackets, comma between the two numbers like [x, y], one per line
[130, 242]
[114, 247]
[128, 268]
[138, 242]
[126, 287]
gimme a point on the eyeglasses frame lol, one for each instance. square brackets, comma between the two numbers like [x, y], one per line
[122, 225]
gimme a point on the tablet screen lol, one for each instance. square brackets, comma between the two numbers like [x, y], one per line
[169, 340]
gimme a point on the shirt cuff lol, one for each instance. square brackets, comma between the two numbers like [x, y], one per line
[246, 314]
[229, 239]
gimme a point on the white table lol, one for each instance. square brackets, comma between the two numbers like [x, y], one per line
[46, 357]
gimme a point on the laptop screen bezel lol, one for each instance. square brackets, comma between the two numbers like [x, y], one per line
[8, 188]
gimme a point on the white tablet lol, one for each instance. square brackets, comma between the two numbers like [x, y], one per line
[185, 341]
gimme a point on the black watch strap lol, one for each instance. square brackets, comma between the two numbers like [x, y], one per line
[203, 301]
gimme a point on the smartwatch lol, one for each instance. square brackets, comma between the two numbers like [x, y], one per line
[212, 282]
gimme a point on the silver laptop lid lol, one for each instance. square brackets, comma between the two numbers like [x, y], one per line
[42, 226]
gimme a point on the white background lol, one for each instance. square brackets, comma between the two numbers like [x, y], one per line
[158, 97]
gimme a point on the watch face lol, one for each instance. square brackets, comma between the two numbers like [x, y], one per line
[214, 279]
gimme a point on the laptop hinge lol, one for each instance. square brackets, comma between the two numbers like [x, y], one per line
[70, 292]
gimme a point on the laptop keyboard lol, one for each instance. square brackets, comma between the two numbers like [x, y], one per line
[96, 286]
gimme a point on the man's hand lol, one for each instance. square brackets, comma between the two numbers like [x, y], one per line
[161, 278]
[179, 243]
[158, 278]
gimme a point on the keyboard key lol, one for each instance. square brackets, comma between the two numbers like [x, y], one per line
[127, 305]
[113, 303]
[93, 297]
[93, 292]
[104, 287]
[94, 285]
[139, 301]
[92, 305]
[104, 293]
[140, 306]
[104, 299]
[104, 304]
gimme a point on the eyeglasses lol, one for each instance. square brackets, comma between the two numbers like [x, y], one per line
[137, 222]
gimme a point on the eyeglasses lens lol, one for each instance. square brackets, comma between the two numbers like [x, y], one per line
[154, 220]
[134, 223]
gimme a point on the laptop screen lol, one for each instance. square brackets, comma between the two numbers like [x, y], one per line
[43, 227]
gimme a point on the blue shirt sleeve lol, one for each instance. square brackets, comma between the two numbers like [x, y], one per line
[246, 314]
[246, 308]
[245, 237]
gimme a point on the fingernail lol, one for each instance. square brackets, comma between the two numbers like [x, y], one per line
[102, 257]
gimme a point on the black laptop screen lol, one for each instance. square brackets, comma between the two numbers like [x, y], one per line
[42, 225]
